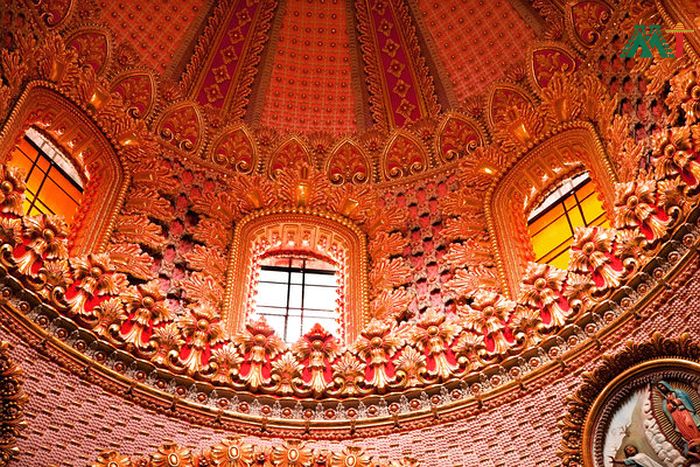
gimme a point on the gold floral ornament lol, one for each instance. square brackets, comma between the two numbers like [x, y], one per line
[350, 457]
[592, 254]
[11, 192]
[112, 459]
[44, 241]
[376, 345]
[293, 453]
[410, 367]
[145, 308]
[172, 455]
[348, 375]
[168, 343]
[201, 329]
[433, 334]
[235, 452]
[286, 374]
[677, 157]
[469, 350]
[232, 452]
[259, 345]
[541, 288]
[95, 280]
[636, 208]
[315, 350]
[488, 315]
[225, 363]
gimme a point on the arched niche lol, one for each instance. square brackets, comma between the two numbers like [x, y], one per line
[321, 234]
[78, 136]
[571, 150]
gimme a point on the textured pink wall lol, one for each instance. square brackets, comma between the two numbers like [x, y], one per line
[70, 420]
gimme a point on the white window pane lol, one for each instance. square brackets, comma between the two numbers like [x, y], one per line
[295, 296]
[322, 298]
[267, 275]
[276, 323]
[329, 325]
[271, 294]
[321, 279]
[264, 310]
[296, 278]
[293, 329]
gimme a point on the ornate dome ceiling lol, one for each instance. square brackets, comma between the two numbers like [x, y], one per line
[332, 66]
[403, 141]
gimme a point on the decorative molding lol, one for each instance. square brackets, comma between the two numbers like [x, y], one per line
[235, 452]
[12, 401]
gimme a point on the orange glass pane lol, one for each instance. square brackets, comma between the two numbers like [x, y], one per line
[27, 148]
[57, 200]
[34, 181]
[20, 161]
[585, 190]
[47, 189]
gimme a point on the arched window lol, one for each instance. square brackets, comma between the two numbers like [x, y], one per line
[298, 267]
[296, 292]
[53, 183]
[551, 224]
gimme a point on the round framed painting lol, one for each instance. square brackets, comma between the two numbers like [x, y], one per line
[648, 416]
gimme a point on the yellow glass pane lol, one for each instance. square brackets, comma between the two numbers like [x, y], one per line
[562, 260]
[575, 219]
[551, 233]
[551, 236]
[592, 208]
[555, 250]
[545, 219]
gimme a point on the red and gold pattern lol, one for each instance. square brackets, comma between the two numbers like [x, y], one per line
[222, 68]
[182, 125]
[139, 90]
[549, 58]
[585, 21]
[348, 163]
[402, 91]
[404, 156]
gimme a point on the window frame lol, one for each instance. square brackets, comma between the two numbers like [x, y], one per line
[573, 147]
[277, 231]
[70, 128]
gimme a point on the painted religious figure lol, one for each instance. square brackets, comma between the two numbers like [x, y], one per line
[678, 407]
[655, 425]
